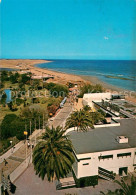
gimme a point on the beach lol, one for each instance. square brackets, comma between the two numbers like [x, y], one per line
[59, 77]
[62, 78]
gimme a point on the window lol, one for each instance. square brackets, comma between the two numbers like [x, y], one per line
[86, 164]
[124, 154]
[105, 157]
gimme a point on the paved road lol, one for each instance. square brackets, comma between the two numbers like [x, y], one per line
[62, 115]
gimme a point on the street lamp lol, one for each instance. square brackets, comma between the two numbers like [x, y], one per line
[11, 146]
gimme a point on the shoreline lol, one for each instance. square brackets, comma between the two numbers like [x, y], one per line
[62, 77]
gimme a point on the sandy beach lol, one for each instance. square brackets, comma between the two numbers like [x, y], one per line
[62, 78]
[29, 64]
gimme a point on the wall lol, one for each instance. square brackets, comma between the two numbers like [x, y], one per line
[97, 97]
[110, 164]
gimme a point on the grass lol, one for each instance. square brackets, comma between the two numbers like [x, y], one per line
[43, 102]
[8, 84]
[6, 110]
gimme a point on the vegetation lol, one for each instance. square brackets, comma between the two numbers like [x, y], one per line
[90, 89]
[27, 104]
[126, 189]
[80, 119]
[3, 98]
[12, 126]
[21, 79]
[84, 119]
[53, 155]
[57, 90]
[114, 107]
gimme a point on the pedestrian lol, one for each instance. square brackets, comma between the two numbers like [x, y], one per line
[28, 145]
[5, 162]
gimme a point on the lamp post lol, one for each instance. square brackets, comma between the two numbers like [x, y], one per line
[11, 146]
[30, 140]
[25, 133]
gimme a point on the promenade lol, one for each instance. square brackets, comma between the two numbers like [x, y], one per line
[16, 160]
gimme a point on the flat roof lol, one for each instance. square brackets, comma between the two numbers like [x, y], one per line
[104, 138]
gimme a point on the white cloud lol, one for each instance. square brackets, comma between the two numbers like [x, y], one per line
[106, 38]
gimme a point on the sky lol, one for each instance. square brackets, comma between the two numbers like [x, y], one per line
[68, 29]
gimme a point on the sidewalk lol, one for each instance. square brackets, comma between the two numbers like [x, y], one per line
[10, 151]
[18, 157]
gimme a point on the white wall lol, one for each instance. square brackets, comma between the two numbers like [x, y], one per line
[97, 97]
[109, 164]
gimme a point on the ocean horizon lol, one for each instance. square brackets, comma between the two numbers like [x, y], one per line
[119, 73]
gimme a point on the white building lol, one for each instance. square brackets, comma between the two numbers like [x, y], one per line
[88, 98]
[101, 151]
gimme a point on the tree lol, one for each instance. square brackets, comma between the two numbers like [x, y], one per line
[4, 76]
[96, 117]
[80, 119]
[87, 88]
[25, 78]
[6, 126]
[3, 99]
[17, 127]
[127, 189]
[14, 77]
[35, 113]
[53, 155]
[36, 83]
[59, 90]
[13, 125]
[87, 108]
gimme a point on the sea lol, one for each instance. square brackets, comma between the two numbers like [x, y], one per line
[118, 73]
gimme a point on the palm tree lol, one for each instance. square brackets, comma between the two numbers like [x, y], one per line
[96, 117]
[117, 192]
[53, 155]
[126, 189]
[87, 108]
[80, 119]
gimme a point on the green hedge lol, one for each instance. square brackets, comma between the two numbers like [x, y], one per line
[86, 181]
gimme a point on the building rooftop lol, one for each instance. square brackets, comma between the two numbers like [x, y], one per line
[105, 138]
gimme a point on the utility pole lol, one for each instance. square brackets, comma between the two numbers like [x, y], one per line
[25, 133]
[39, 122]
[35, 132]
[43, 121]
[30, 140]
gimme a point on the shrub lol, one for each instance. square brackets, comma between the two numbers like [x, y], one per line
[6, 126]
[90, 89]
[52, 110]
[19, 101]
[57, 90]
